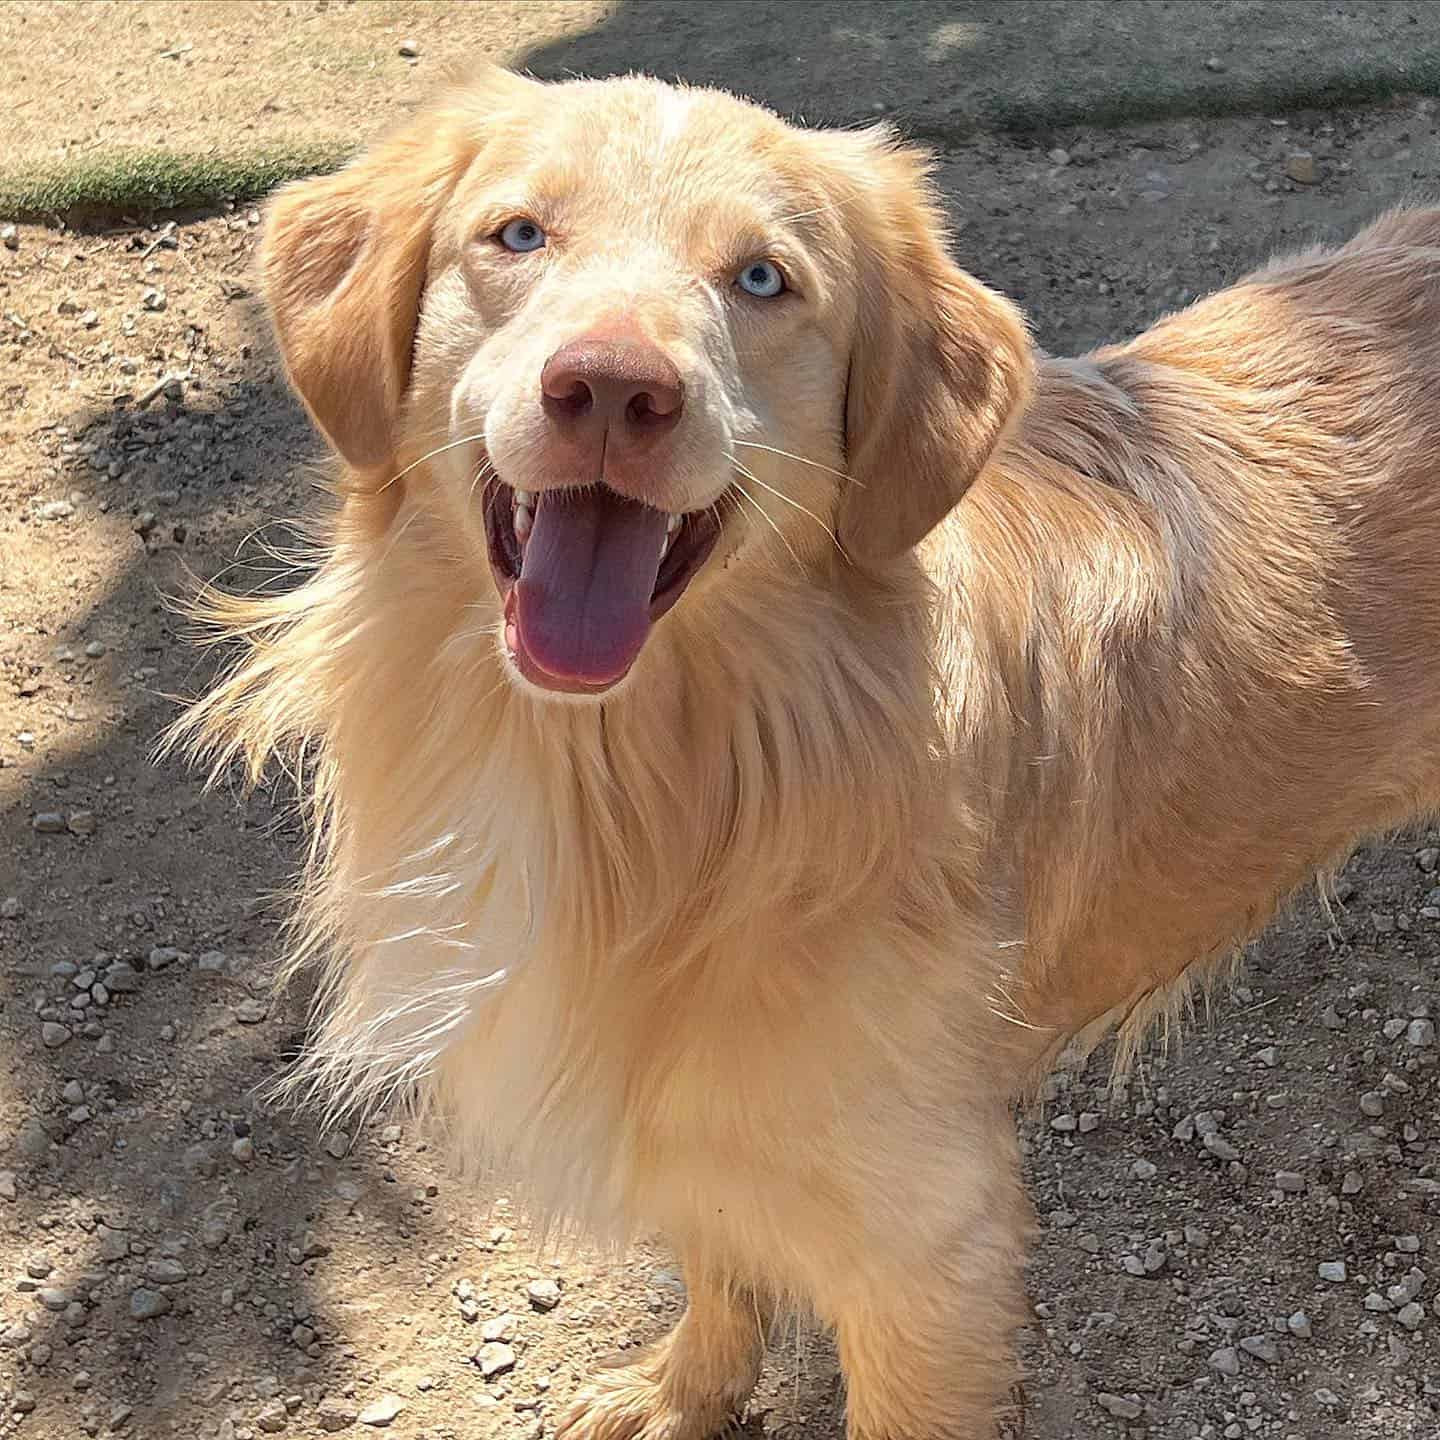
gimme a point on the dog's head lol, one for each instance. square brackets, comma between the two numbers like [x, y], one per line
[636, 329]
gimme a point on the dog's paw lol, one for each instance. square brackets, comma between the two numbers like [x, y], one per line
[632, 1402]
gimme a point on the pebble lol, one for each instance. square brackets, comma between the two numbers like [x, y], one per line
[148, 1304]
[82, 822]
[494, 1359]
[1372, 1103]
[500, 1327]
[1420, 1034]
[1226, 1360]
[11, 908]
[1302, 169]
[39, 1267]
[410, 49]
[337, 1146]
[7, 1185]
[243, 1149]
[1219, 1147]
[1408, 1244]
[335, 1414]
[1411, 1315]
[1290, 1181]
[53, 1035]
[1298, 1325]
[1123, 1407]
[544, 1294]
[154, 298]
[48, 822]
[1262, 1347]
[9, 237]
[165, 1272]
[54, 1299]
[382, 1411]
[1331, 1270]
[1352, 1183]
[122, 979]
[161, 957]
[252, 1012]
[73, 1093]
[273, 1418]
[1144, 1170]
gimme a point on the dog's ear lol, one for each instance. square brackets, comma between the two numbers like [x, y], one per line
[938, 363]
[343, 263]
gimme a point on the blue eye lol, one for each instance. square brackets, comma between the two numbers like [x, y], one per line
[522, 236]
[762, 279]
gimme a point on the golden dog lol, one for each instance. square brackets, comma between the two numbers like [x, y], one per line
[756, 710]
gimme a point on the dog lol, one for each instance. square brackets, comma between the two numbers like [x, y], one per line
[757, 712]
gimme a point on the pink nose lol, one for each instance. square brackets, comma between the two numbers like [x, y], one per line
[622, 391]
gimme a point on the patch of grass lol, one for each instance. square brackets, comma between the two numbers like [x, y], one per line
[144, 182]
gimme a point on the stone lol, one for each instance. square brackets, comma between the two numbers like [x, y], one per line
[1226, 1360]
[161, 1271]
[7, 1185]
[162, 957]
[122, 979]
[494, 1359]
[82, 822]
[148, 1304]
[500, 1327]
[273, 1418]
[1298, 1325]
[382, 1411]
[334, 1414]
[48, 822]
[9, 237]
[410, 49]
[337, 1145]
[1290, 1181]
[1302, 169]
[1331, 1270]
[544, 1294]
[39, 1267]
[1420, 1034]
[1411, 1315]
[251, 1012]
[1262, 1347]
[1144, 1170]
[1372, 1103]
[243, 1149]
[53, 1035]
[1123, 1407]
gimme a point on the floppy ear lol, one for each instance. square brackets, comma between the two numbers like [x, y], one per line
[938, 363]
[343, 264]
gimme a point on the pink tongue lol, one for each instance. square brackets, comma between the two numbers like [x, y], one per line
[582, 602]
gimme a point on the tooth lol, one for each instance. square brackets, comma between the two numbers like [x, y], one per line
[664, 547]
[674, 523]
[524, 519]
[525, 498]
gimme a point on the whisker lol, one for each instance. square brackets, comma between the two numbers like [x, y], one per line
[428, 455]
[766, 518]
[794, 504]
[801, 460]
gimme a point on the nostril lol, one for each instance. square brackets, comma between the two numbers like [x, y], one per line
[654, 409]
[567, 396]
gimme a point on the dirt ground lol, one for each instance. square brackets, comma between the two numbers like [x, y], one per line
[179, 1258]
[83, 77]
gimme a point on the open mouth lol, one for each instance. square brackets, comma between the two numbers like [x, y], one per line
[584, 574]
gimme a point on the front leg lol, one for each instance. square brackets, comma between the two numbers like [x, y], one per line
[692, 1384]
[926, 1324]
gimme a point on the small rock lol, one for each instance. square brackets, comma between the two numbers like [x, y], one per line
[56, 510]
[154, 298]
[1144, 1170]
[1290, 1181]
[121, 979]
[335, 1414]
[1268, 1057]
[148, 1304]
[1226, 1360]
[1298, 1325]
[494, 1359]
[162, 957]
[165, 1272]
[82, 822]
[53, 1298]
[11, 908]
[9, 237]
[1420, 1034]
[1262, 1347]
[95, 649]
[39, 1267]
[1302, 169]
[243, 1149]
[1408, 1244]
[337, 1146]
[1220, 1147]
[1123, 1407]
[1352, 1183]
[48, 822]
[1058, 156]
[544, 1294]
[500, 1327]
[273, 1418]
[1411, 1315]
[1372, 1103]
[7, 1185]
[1331, 1270]
[410, 49]
[53, 1035]
[252, 1012]
[382, 1411]
[1215, 65]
